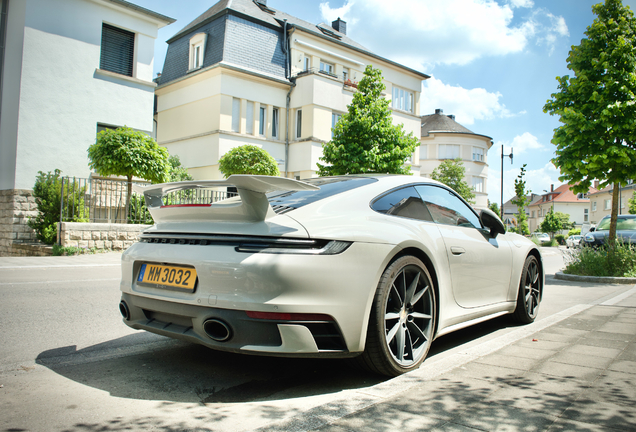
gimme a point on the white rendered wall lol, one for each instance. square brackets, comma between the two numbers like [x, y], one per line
[63, 97]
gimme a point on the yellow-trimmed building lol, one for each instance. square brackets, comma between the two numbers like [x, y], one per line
[243, 73]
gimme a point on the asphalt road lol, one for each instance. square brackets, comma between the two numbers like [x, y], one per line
[68, 363]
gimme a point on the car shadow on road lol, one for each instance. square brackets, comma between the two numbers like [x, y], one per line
[165, 369]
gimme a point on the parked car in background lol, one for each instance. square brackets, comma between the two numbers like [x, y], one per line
[373, 266]
[540, 237]
[625, 231]
[573, 241]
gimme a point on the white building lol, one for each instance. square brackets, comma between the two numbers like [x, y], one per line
[443, 138]
[244, 73]
[67, 69]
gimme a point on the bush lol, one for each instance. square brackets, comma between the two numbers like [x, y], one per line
[73, 250]
[48, 194]
[617, 261]
[574, 231]
[560, 238]
[248, 159]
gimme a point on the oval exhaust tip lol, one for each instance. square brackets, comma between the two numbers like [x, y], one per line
[123, 309]
[217, 330]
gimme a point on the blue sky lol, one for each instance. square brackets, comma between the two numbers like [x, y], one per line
[493, 63]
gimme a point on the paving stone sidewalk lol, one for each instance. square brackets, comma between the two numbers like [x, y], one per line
[576, 375]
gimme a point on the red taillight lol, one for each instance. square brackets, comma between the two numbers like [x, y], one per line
[281, 316]
[186, 205]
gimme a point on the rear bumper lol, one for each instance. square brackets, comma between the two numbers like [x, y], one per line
[230, 283]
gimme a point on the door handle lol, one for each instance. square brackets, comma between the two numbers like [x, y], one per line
[456, 250]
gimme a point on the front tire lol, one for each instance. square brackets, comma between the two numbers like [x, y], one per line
[530, 292]
[402, 321]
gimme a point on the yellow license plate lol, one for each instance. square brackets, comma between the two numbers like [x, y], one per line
[168, 275]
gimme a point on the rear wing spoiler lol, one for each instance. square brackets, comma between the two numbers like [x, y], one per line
[252, 207]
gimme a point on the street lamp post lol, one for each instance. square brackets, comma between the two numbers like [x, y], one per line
[502, 159]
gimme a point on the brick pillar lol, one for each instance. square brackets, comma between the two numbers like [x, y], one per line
[16, 206]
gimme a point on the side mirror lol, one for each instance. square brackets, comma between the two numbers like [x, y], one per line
[490, 220]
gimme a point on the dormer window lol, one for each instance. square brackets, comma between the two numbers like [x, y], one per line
[197, 50]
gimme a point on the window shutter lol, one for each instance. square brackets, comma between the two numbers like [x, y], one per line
[118, 49]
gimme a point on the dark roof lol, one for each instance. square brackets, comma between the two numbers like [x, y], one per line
[144, 11]
[439, 122]
[273, 19]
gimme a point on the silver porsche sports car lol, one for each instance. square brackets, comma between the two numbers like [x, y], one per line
[368, 266]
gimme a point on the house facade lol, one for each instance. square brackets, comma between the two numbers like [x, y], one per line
[563, 200]
[68, 68]
[511, 210]
[244, 73]
[601, 202]
[443, 138]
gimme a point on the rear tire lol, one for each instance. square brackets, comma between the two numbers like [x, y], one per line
[530, 292]
[402, 321]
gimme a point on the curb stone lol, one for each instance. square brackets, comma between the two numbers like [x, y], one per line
[595, 279]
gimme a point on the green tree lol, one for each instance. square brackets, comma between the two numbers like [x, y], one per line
[451, 173]
[565, 220]
[632, 204]
[551, 224]
[129, 153]
[177, 171]
[521, 200]
[365, 140]
[597, 138]
[248, 159]
[494, 207]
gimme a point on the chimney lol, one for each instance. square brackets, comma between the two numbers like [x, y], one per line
[439, 111]
[551, 188]
[595, 184]
[339, 26]
[451, 116]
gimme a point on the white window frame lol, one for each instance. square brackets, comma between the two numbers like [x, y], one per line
[402, 100]
[345, 73]
[594, 206]
[608, 204]
[478, 154]
[335, 117]
[445, 153]
[327, 67]
[478, 184]
[299, 123]
[275, 122]
[586, 215]
[197, 50]
[262, 120]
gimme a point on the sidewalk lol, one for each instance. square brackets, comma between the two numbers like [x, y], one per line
[573, 371]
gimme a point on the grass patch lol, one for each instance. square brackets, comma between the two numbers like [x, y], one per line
[617, 261]
[74, 250]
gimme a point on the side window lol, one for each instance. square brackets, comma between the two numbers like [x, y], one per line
[446, 208]
[405, 202]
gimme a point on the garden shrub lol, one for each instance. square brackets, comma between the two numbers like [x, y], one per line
[48, 195]
[617, 261]
[574, 231]
[560, 238]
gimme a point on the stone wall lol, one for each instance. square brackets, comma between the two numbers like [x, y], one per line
[16, 206]
[98, 235]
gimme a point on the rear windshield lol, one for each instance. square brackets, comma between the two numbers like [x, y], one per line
[622, 224]
[329, 186]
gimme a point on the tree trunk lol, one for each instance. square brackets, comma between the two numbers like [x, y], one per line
[612, 231]
[128, 196]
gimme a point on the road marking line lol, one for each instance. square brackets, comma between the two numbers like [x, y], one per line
[619, 297]
[59, 266]
[56, 281]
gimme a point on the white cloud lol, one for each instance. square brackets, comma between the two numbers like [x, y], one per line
[422, 33]
[525, 142]
[468, 105]
[521, 3]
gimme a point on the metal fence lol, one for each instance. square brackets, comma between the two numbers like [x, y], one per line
[100, 200]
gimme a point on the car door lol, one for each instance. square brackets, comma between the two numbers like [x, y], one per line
[480, 265]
